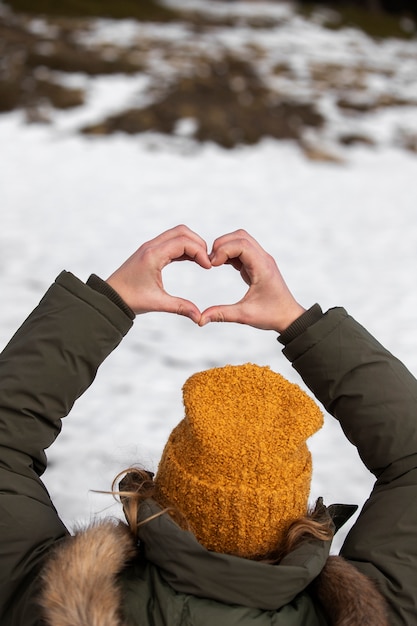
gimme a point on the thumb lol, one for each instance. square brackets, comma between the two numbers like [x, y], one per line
[221, 313]
[180, 306]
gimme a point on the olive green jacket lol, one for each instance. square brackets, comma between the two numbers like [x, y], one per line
[51, 361]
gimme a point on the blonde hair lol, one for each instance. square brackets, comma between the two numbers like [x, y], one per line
[136, 485]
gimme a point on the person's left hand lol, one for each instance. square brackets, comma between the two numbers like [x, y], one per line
[268, 303]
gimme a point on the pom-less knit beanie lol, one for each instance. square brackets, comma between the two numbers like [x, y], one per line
[237, 466]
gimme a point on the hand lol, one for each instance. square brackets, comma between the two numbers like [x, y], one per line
[139, 280]
[268, 304]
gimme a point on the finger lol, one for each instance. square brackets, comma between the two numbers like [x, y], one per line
[237, 235]
[178, 231]
[181, 248]
[235, 263]
[236, 252]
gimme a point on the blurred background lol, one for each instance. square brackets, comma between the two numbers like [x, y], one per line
[225, 72]
[122, 118]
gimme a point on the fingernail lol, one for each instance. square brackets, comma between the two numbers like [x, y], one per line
[204, 321]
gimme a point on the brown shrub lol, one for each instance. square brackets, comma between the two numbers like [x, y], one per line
[229, 103]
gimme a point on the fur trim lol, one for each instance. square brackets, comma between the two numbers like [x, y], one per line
[348, 597]
[80, 583]
[79, 579]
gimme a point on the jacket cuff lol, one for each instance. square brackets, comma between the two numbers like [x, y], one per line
[96, 283]
[310, 317]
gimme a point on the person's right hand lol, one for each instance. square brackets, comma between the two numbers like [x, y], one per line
[139, 280]
[268, 304]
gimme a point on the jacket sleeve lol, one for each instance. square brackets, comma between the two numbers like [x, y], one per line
[46, 366]
[374, 397]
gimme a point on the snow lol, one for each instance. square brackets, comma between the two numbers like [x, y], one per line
[342, 235]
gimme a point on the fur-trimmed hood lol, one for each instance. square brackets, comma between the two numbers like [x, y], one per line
[81, 584]
[80, 579]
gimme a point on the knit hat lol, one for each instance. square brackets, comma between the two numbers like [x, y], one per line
[237, 466]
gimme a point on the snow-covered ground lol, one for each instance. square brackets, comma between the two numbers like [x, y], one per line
[342, 235]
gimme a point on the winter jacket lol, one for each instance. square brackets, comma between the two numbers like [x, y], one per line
[170, 578]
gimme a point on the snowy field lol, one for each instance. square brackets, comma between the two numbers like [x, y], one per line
[342, 235]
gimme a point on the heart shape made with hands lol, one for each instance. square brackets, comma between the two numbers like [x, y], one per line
[216, 286]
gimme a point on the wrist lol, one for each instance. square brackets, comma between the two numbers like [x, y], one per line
[300, 324]
[289, 317]
[103, 287]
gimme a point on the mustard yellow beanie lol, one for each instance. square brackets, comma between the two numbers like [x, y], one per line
[237, 466]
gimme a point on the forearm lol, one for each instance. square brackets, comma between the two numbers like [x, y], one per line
[358, 381]
[50, 362]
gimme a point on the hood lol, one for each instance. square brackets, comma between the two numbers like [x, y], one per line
[190, 568]
[83, 580]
